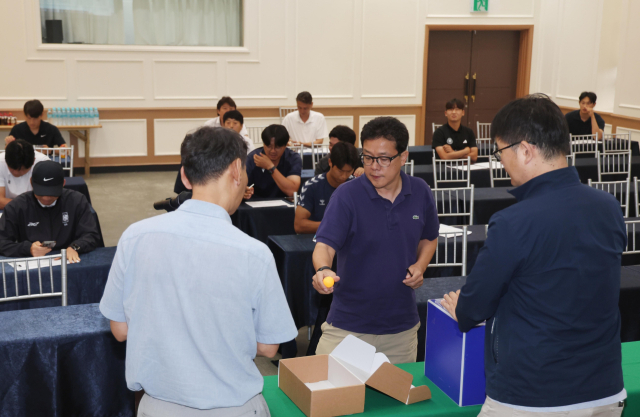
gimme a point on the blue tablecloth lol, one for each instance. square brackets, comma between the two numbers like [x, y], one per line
[260, 223]
[85, 282]
[78, 184]
[61, 361]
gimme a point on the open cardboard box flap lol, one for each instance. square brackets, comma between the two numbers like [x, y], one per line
[375, 370]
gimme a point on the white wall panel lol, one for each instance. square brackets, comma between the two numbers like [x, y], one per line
[119, 138]
[409, 121]
[184, 80]
[627, 84]
[261, 121]
[169, 134]
[109, 80]
[24, 80]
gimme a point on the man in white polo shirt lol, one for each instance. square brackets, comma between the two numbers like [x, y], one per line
[305, 126]
[16, 168]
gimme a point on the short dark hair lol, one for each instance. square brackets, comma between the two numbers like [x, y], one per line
[536, 119]
[33, 108]
[305, 97]
[226, 100]
[344, 153]
[454, 104]
[277, 132]
[19, 153]
[592, 96]
[344, 134]
[389, 128]
[208, 152]
[233, 114]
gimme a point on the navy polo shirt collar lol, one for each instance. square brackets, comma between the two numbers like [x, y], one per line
[373, 194]
[550, 181]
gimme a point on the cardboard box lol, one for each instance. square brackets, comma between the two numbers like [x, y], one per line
[453, 360]
[334, 385]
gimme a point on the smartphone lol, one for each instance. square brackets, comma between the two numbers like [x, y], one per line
[49, 244]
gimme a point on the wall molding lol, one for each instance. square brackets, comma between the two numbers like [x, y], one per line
[629, 106]
[180, 61]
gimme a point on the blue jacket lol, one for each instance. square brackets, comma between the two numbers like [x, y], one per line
[547, 281]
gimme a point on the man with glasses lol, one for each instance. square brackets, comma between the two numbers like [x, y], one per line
[274, 170]
[547, 280]
[383, 226]
[452, 140]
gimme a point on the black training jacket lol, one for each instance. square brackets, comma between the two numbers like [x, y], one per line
[69, 222]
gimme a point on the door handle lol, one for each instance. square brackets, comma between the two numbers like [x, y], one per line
[473, 89]
[466, 88]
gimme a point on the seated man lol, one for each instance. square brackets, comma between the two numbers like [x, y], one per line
[35, 130]
[317, 191]
[225, 104]
[15, 169]
[234, 120]
[274, 170]
[585, 121]
[48, 213]
[452, 140]
[339, 133]
[304, 125]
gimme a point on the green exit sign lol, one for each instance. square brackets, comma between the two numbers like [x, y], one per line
[480, 5]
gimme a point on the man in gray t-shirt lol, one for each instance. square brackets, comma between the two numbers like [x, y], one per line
[195, 298]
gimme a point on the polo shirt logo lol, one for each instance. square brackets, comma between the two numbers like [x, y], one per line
[465, 141]
[450, 141]
[416, 217]
[322, 202]
[33, 224]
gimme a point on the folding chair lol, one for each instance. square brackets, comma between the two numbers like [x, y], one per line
[435, 126]
[255, 133]
[318, 151]
[64, 156]
[457, 171]
[484, 130]
[408, 166]
[497, 172]
[485, 148]
[299, 149]
[583, 144]
[571, 160]
[635, 189]
[616, 142]
[632, 227]
[614, 164]
[26, 264]
[284, 111]
[619, 189]
[439, 261]
[454, 202]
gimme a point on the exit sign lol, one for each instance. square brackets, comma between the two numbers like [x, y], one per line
[480, 5]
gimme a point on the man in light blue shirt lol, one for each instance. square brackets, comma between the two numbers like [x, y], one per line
[195, 298]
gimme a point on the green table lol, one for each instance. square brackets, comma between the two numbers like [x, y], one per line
[377, 404]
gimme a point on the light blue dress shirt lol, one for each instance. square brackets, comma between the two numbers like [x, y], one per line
[197, 295]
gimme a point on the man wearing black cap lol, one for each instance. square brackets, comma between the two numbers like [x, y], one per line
[48, 213]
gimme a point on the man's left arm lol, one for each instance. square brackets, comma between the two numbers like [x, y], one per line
[473, 148]
[112, 302]
[415, 275]
[597, 127]
[322, 132]
[58, 139]
[86, 229]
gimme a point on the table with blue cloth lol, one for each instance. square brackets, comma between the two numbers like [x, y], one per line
[261, 222]
[85, 282]
[78, 184]
[62, 361]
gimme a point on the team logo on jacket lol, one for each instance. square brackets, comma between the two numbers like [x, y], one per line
[450, 141]
[65, 218]
[322, 202]
[33, 224]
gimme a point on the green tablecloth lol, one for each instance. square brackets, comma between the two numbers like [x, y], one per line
[377, 404]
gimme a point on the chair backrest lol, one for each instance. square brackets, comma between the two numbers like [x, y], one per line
[619, 189]
[632, 227]
[408, 168]
[28, 264]
[454, 202]
[635, 189]
[255, 133]
[484, 130]
[435, 126]
[583, 144]
[613, 164]
[616, 142]
[441, 259]
[452, 171]
[485, 148]
[318, 151]
[284, 111]
[571, 160]
[298, 149]
[64, 156]
[497, 172]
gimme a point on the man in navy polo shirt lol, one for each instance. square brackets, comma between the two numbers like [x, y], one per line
[384, 228]
[318, 190]
[274, 170]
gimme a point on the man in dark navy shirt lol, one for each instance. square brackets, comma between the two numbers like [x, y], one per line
[339, 133]
[274, 170]
[452, 140]
[383, 226]
[34, 130]
[317, 191]
[547, 279]
[586, 121]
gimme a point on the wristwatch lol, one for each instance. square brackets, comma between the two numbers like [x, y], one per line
[272, 170]
[75, 247]
[322, 268]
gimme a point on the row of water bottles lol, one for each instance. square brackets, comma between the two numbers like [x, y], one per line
[74, 116]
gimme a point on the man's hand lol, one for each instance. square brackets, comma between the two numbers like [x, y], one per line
[72, 256]
[414, 278]
[447, 148]
[450, 302]
[8, 140]
[591, 112]
[358, 172]
[262, 161]
[248, 193]
[318, 283]
[38, 250]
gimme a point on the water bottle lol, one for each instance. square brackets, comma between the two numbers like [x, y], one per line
[62, 121]
[54, 116]
[97, 115]
[49, 116]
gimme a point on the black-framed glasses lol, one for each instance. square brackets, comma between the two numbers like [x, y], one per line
[383, 161]
[498, 152]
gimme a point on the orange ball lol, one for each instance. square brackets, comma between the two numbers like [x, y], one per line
[328, 282]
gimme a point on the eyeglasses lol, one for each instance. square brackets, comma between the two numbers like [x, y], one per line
[498, 152]
[383, 161]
